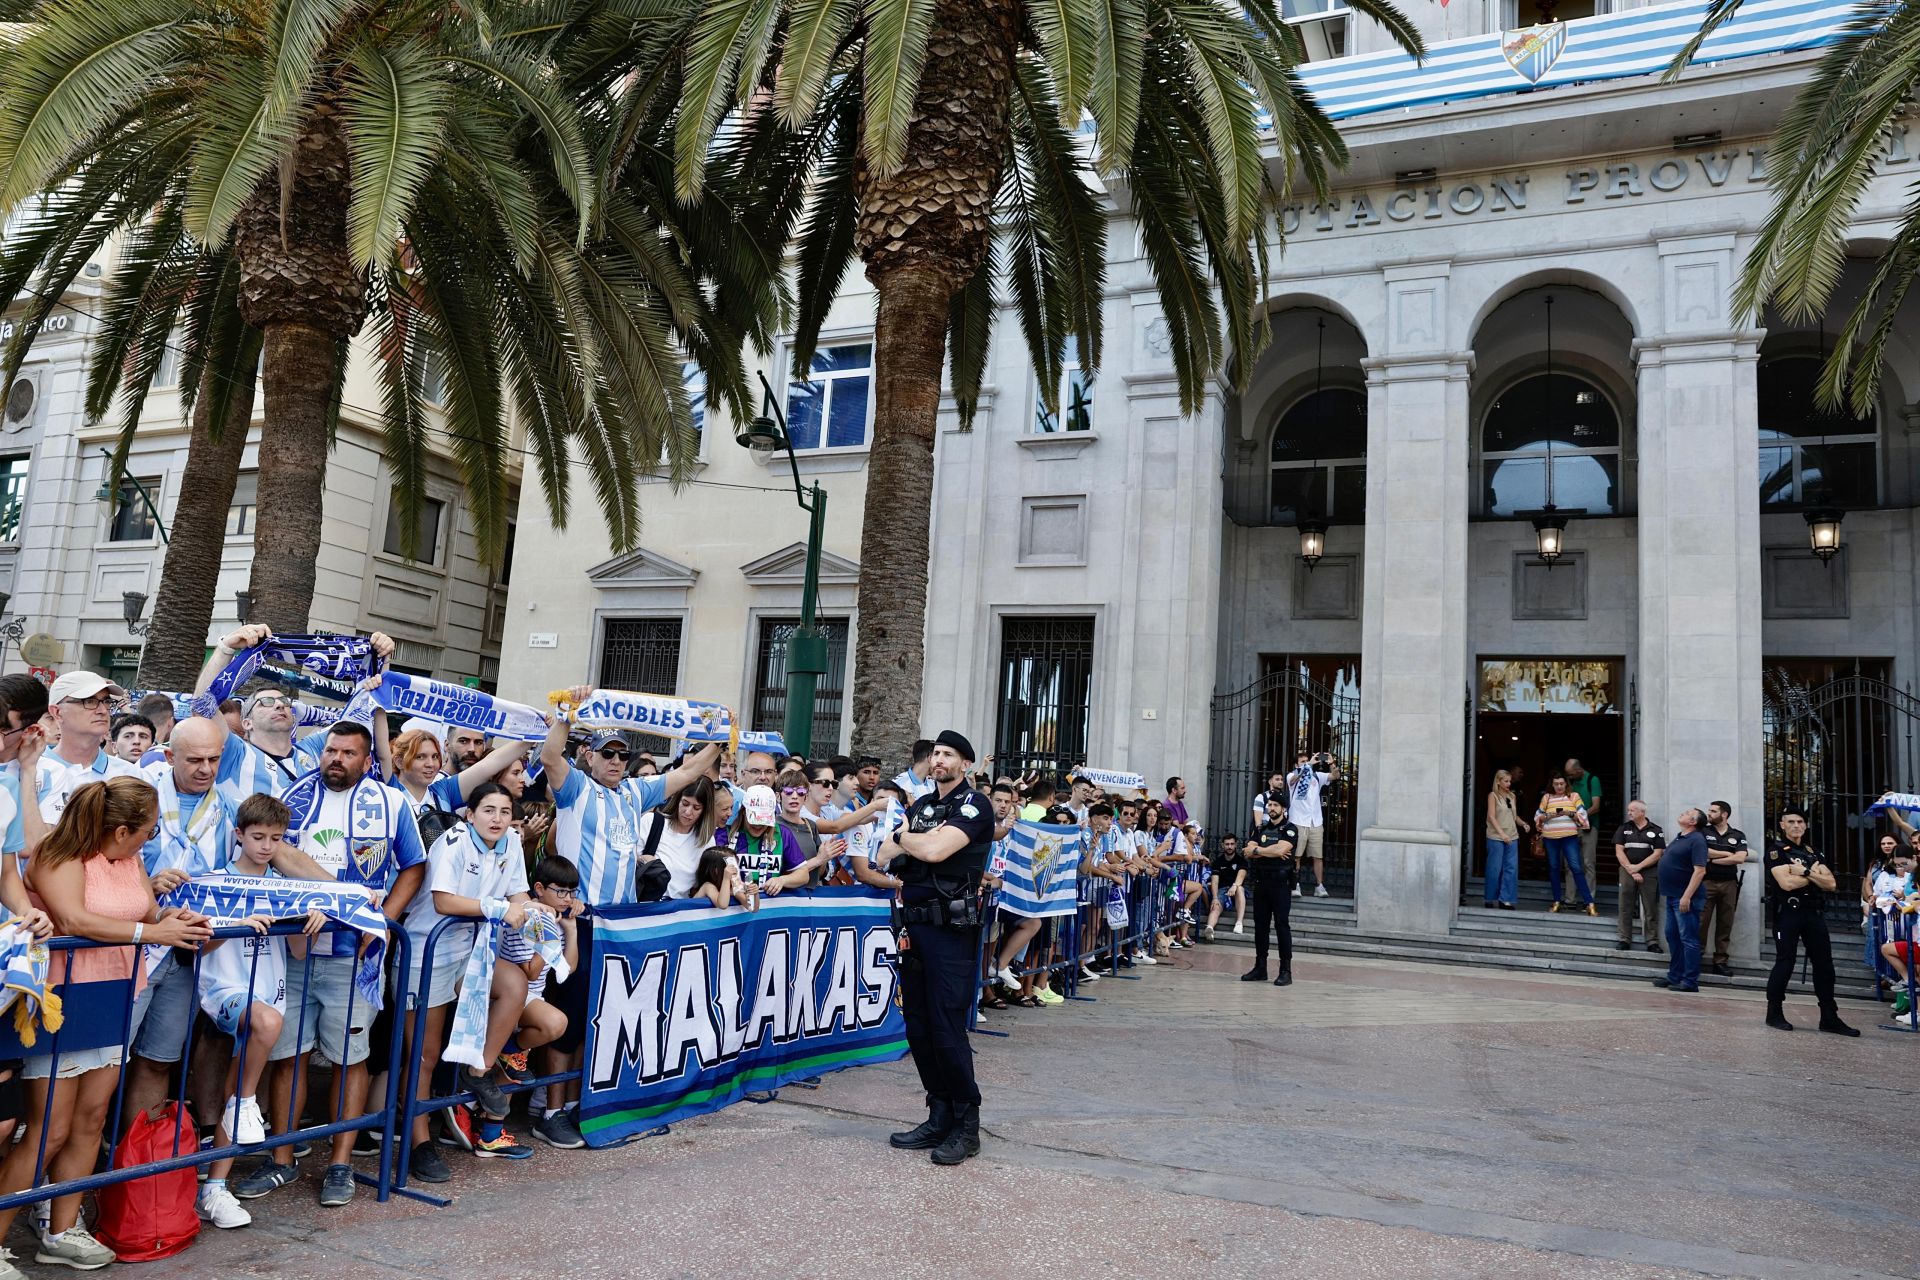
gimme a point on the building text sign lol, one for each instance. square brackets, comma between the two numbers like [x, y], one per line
[1573, 686]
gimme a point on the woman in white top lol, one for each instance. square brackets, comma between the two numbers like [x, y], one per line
[686, 822]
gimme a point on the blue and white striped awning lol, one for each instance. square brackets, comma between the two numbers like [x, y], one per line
[1633, 43]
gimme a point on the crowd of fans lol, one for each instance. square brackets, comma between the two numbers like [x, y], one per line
[110, 802]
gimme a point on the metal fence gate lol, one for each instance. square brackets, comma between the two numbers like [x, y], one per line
[1046, 695]
[1832, 750]
[1258, 730]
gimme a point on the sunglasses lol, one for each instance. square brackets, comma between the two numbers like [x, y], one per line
[608, 753]
[793, 791]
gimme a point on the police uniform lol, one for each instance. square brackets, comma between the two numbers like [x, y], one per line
[1722, 890]
[1273, 879]
[1799, 919]
[940, 910]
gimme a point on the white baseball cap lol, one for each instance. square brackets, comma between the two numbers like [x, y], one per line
[761, 806]
[82, 685]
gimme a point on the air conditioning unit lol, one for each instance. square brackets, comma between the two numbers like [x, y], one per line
[21, 401]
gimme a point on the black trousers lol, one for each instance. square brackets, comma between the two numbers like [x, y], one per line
[1272, 907]
[1793, 928]
[937, 973]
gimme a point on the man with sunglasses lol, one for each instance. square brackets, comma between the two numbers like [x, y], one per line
[271, 715]
[82, 704]
[596, 824]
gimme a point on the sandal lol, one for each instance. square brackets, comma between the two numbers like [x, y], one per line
[1027, 1002]
[991, 1000]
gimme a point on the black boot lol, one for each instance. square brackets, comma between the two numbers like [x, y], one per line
[963, 1139]
[931, 1132]
[1286, 976]
[1831, 1024]
[1256, 974]
[1777, 1018]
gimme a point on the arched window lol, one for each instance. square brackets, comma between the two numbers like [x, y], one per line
[1585, 431]
[1320, 458]
[1809, 456]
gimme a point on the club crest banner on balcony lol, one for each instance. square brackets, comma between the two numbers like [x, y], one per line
[1634, 42]
[691, 1009]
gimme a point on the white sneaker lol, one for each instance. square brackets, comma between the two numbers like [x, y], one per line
[1088, 975]
[244, 1122]
[75, 1248]
[1296, 891]
[1143, 958]
[1320, 891]
[217, 1205]
[7, 1270]
[1240, 928]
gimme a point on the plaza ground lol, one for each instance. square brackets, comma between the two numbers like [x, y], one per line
[1375, 1119]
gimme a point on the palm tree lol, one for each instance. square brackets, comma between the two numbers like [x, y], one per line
[442, 171]
[906, 130]
[1828, 146]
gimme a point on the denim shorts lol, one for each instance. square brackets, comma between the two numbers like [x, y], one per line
[76, 1062]
[160, 1029]
[321, 1000]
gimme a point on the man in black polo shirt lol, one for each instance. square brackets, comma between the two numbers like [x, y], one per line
[1726, 852]
[1799, 878]
[940, 855]
[1636, 847]
[1274, 869]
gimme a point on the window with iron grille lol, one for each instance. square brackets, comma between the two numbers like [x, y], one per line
[770, 682]
[641, 655]
[1046, 694]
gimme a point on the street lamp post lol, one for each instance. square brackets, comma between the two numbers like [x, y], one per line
[807, 647]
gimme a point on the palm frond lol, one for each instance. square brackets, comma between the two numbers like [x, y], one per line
[722, 52]
[817, 32]
[78, 66]
[894, 55]
[395, 112]
[1113, 93]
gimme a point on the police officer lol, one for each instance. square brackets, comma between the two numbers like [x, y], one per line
[1799, 879]
[1274, 870]
[939, 855]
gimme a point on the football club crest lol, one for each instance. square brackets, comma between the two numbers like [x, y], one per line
[1532, 51]
[1046, 856]
[368, 854]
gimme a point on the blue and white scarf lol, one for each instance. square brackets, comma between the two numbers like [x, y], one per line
[466, 1040]
[1110, 780]
[23, 982]
[339, 661]
[229, 899]
[196, 842]
[1906, 801]
[650, 713]
[459, 707]
[768, 741]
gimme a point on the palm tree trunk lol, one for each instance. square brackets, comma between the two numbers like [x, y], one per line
[299, 287]
[300, 362]
[910, 344]
[923, 232]
[175, 648]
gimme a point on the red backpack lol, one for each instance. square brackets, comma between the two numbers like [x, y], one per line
[152, 1217]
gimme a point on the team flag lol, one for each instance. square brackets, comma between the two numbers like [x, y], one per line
[1041, 874]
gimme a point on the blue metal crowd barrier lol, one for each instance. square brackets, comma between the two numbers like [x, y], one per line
[1903, 931]
[87, 1026]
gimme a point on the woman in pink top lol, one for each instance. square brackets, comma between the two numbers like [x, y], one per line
[88, 875]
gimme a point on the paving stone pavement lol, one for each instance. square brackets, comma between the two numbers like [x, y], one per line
[1375, 1119]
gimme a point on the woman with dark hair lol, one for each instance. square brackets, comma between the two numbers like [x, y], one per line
[679, 831]
[89, 876]
[794, 790]
[476, 870]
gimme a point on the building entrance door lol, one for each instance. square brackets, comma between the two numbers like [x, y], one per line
[1532, 716]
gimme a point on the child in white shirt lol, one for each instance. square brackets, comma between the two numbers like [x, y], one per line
[243, 988]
